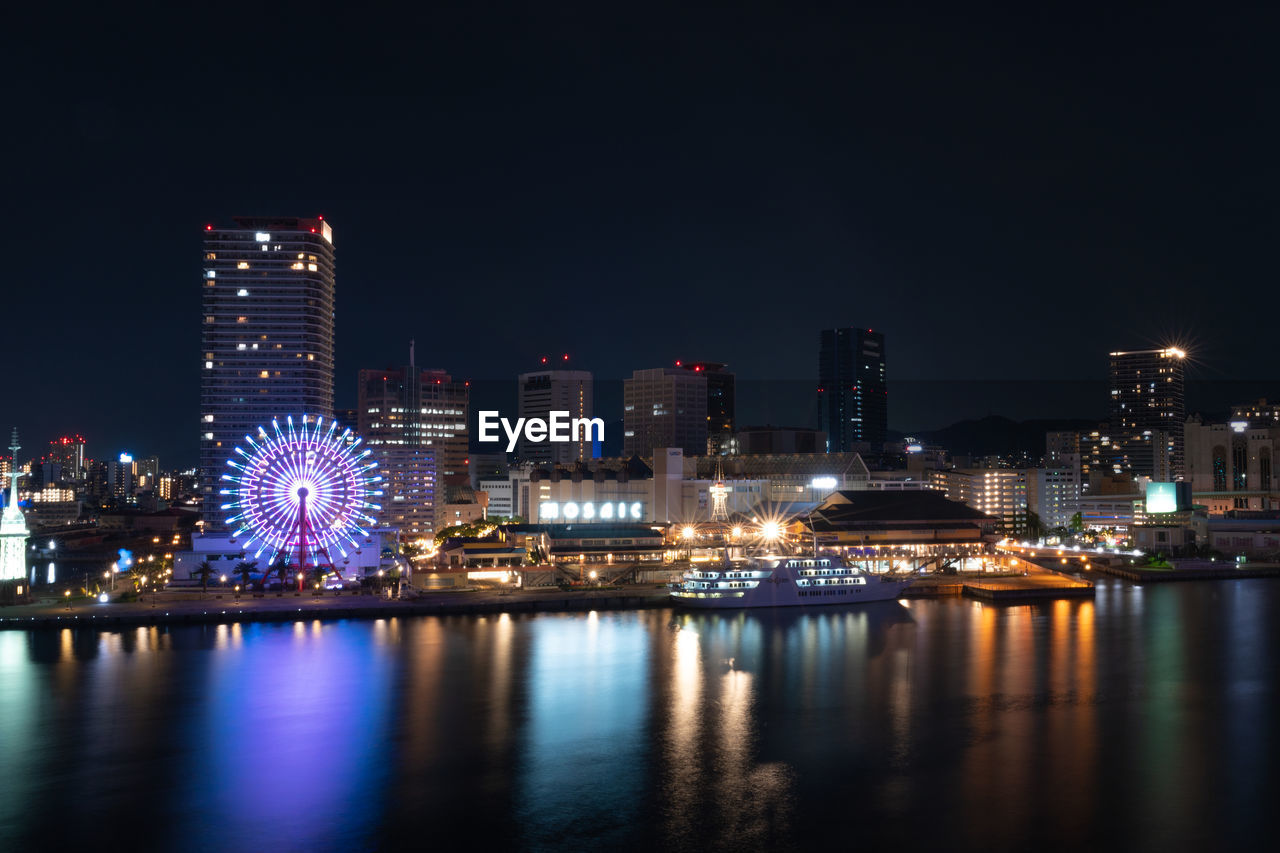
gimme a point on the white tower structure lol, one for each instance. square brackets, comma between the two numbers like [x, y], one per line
[13, 526]
[719, 497]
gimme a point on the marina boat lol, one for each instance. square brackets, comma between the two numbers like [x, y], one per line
[782, 581]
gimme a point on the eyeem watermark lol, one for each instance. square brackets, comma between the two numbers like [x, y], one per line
[559, 428]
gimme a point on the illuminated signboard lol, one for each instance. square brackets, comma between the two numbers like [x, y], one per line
[587, 511]
[828, 483]
[1162, 497]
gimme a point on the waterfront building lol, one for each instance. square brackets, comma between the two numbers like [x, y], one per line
[1148, 411]
[267, 334]
[13, 526]
[721, 393]
[901, 531]
[998, 492]
[853, 396]
[545, 391]
[614, 542]
[1231, 466]
[664, 407]
[671, 487]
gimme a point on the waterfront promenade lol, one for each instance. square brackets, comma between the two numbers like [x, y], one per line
[185, 606]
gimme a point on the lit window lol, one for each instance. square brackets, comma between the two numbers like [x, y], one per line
[297, 266]
[242, 292]
[242, 319]
[210, 274]
[208, 365]
[243, 265]
[312, 267]
[262, 237]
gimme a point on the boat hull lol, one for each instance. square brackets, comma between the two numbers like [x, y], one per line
[785, 593]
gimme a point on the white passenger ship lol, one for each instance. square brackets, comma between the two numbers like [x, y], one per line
[781, 581]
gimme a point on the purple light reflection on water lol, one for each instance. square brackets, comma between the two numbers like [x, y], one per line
[289, 738]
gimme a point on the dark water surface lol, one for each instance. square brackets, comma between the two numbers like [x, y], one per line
[1145, 719]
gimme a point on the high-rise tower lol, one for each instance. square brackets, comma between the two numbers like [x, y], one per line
[415, 422]
[852, 395]
[267, 333]
[1148, 411]
[546, 391]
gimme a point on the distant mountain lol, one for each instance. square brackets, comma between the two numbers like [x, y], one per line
[997, 435]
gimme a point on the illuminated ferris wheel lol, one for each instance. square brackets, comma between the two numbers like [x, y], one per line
[298, 493]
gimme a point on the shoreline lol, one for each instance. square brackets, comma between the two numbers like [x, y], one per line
[218, 608]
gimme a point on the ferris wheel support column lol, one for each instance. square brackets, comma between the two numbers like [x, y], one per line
[302, 537]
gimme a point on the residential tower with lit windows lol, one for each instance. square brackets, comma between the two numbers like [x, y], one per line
[1148, 410]
[267, 329]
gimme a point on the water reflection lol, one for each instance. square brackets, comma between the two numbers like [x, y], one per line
[1135, 719]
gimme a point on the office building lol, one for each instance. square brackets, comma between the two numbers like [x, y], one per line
[419, 408]
[721, 438]
[664, 407]
[267, 335]
[546, 391]
[852, 395]
[67, 453]
[415, 421]
[1148, 411]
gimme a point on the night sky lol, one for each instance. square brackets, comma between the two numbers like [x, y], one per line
[1006, 198]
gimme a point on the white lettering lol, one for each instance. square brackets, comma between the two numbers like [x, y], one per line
[590, 425]
[535, 429]
[488, 422]
[559, 426]
[514, 434]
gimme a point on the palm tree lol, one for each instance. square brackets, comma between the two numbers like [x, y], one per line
[245, 569]
[205, 570]
[280, 566]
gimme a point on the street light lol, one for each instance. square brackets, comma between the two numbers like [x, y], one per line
[66, 595]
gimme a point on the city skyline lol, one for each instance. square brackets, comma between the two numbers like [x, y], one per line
[782, 175]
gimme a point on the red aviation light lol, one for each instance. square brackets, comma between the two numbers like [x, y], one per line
[544, 359]
[208, 228]
[566, 356]
[677, 362]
